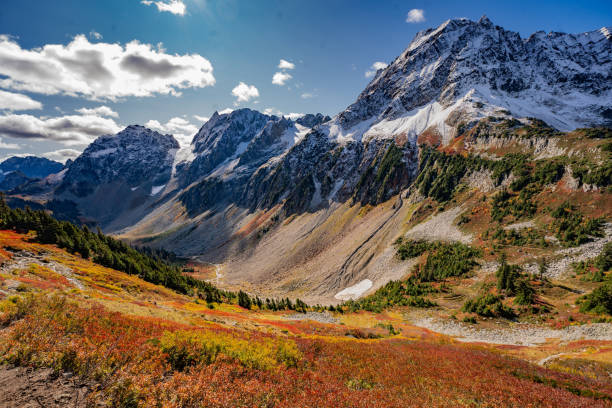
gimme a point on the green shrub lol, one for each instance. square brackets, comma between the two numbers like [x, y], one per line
[598, 301]
[447, 260]
[603, 261]
[408, 292]
[244, 300]
[518, 205]
[572, 228]
[488, 305]
[519, 237]
[507, 276]
[525, 293]
[407, 249]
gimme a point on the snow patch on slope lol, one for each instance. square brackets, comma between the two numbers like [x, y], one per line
[355, 291]
[156, 189]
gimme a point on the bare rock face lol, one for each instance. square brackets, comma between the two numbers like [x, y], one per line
[136, 156]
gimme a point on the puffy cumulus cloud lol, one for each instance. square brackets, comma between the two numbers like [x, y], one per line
[244, 92]
[375, 67]
[284, 64]
[100, 70]
[14, 102]
[180, 128]
[62, 155]
[201, 118]
[281, 78]
[99, 111]
[69, 130]
[415, 16]
[173, 6]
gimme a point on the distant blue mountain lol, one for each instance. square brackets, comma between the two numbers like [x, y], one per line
[31, 166]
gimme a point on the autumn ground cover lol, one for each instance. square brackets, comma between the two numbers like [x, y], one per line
[137, 344]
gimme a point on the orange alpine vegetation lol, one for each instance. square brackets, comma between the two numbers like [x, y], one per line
[142, 345]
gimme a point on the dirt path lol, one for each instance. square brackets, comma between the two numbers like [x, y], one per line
[545, 360]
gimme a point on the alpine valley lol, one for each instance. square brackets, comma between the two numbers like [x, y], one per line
[467, 192]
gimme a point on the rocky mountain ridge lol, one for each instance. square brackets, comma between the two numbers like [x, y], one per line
[31, 166]
[465, 70]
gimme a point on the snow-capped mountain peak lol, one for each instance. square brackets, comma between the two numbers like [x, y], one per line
[563, 79]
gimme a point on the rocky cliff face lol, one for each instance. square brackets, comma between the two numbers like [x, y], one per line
[443, 84]
[232, 150]
[137, 157]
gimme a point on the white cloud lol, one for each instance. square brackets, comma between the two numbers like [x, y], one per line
[62, 155]
[100, 70]
[225, 111]
[272, 111]
[245, 92]
[284, 64]
[280, 78]
[307, 95]
[69, 130]
[375, 67]
[201, 118]
[415, 16]
[276, 112]
[180, 128]
[172, 6]
[8, 146]
[95, 35]
[14, 102]
[99, 111]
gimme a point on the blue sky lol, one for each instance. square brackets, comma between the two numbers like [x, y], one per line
[191, 55]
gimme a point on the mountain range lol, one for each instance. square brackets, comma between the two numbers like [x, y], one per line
[312, 206]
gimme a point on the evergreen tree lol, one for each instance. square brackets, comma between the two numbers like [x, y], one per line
[244, 300]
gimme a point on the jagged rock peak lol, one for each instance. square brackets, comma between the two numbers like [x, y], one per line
[563, 79]
[134, 156]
